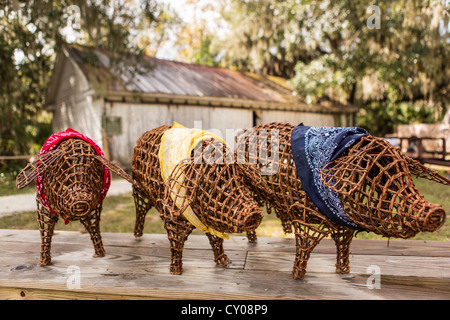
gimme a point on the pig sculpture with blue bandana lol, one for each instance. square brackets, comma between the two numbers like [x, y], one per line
[323, 181]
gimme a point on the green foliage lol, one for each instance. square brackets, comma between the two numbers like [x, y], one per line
[380, 118]
[318, 78]
[32, 32]
[396, 71]
[21, 53]
[8, 184]
[203, 54]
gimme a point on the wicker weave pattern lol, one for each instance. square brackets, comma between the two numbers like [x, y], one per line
[214, 192]
[211, 190]
[376, 186]
[72, 182]
[361, 167]
[78, 193]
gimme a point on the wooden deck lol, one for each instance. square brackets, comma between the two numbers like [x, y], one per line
[138, 269]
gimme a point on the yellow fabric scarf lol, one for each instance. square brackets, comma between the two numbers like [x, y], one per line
[177, 144]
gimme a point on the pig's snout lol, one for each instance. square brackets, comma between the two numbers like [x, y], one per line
[81, 204]
[434, 218]
[252, 219]
[80, 208]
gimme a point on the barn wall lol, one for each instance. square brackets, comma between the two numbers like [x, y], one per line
[139, 118]
[295, 118]
[74, 105]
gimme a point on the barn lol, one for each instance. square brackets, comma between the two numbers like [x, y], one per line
[115, 101]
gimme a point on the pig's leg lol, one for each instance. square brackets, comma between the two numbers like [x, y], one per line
[220, 257]
[47, 221]
[286, 223]
[177, 232]
[92, 225]
[143, 205]
[342, 238]
[251, 236]
[307, 236]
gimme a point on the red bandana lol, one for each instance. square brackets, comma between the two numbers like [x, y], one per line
[52, 142]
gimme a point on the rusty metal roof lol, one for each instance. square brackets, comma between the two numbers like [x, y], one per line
[152, 77]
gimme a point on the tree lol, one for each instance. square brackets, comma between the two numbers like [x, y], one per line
[196, 40]
[32, 32]
[378, 57]
[264, 37]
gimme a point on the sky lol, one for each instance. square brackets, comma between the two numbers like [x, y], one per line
[189, 12]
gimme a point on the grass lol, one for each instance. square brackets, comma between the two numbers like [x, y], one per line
[8, 185]
[119, 216]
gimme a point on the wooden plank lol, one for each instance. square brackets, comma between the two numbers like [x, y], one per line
[139, 269]
[437, 267]
[266, 244]
[26, 157]
[17, 290]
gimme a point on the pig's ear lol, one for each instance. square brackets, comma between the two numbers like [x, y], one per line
[114, 168]
[36, 168]
[421, 171]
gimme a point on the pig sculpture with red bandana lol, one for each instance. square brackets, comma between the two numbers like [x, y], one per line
[72, 178]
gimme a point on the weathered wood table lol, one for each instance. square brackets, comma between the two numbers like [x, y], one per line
[138, 269]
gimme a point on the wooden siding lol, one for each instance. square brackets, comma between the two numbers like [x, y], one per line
[295, 118]
[139, 118]
[74, 105]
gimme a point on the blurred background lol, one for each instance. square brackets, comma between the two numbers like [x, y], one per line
[100, 67]
[391, 59]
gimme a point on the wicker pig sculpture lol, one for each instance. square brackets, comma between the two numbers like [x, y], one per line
[72, 178]
[334, 182]
[190, 193]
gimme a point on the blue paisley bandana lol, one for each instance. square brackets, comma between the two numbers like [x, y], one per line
[313, 148]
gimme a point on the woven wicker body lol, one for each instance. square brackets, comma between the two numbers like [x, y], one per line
[212, 191]
[381, 196]
[72, 182]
